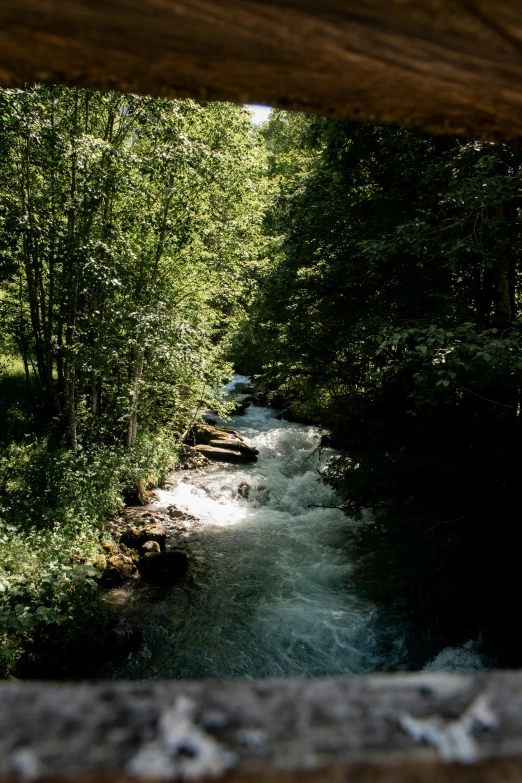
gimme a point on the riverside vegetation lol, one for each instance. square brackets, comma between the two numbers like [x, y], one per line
[367, 277]
[126, 224]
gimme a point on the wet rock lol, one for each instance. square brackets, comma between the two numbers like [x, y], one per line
[235, 445]
[331, 441]
[231, 432]
[228, 455]
[109, 547]
[214, 443]
[163, 567]
[241, 405]
[132, 553]
[259, 495]
[190, 459]
[151, 546]
[134, 538]
[260, 397]
[244, 489]
[179, 515]
[120, 567]
[138, 495]
[201, 434]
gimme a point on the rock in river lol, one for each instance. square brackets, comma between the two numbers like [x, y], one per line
[234, 445]
[228, 454]
[221, 444]
[242, 403]
[151, 546]
[243, 490]
[119, 568]
[135, 538]
[163, 567]
[202, 434]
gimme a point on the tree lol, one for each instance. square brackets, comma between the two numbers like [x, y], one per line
[125, 223]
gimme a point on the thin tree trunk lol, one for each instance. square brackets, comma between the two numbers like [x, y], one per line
[139, 362]
[21, 339]
[72, 303]
[503, 295]
[132, 429]
[36, 289]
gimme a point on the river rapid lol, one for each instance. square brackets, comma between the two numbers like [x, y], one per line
[269, 589]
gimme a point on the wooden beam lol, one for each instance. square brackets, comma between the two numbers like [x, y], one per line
[451, 66]
[430, 727]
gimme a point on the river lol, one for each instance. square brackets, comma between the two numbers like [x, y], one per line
[269, 589]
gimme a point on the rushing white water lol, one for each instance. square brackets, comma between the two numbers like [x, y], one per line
[269, 588]
[465, 657]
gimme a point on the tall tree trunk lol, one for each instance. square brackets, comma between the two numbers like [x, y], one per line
[485, 297]
[38, 305]
[22, 344]
[72, 301]
[503, 280]
[132, 429]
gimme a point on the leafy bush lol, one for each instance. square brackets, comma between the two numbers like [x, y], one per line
[52, 515]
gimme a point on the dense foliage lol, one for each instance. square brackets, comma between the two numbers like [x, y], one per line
[126, 224]
[388, 313]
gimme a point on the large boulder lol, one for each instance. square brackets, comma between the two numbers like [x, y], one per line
[221, 444]
[135, 538]
[230, 431]
[289, 415]
[163, 567]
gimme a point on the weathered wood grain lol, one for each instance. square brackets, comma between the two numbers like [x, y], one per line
[323, 730]
[444, 65]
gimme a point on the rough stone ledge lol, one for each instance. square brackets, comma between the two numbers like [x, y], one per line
[393, 727]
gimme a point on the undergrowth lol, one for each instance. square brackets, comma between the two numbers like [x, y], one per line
[53, 508]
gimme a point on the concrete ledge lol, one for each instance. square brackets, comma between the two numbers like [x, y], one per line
[429, 727]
